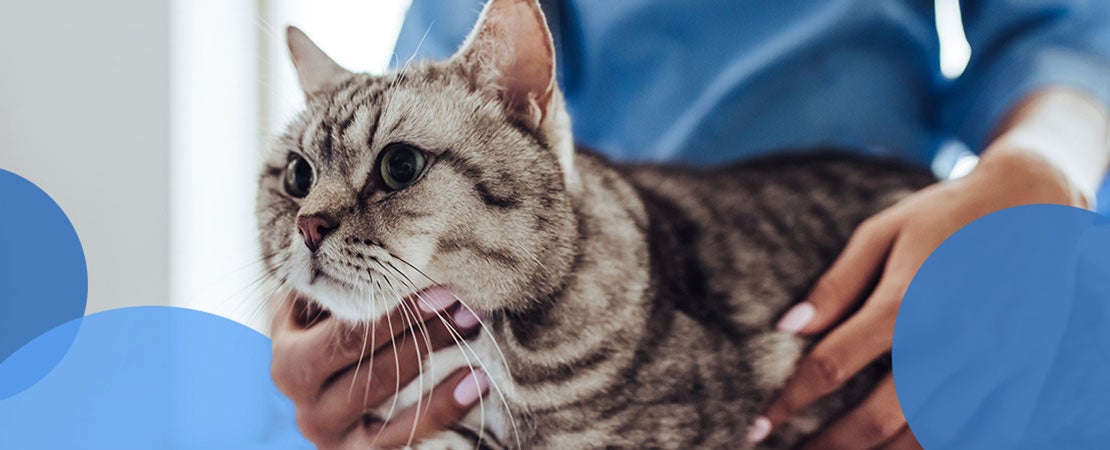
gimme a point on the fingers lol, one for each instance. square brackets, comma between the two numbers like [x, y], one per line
[846, 280]
[334, 371]
[839, 356]
[876, 421]
[444, 406]
[307, 352]
[370, 382]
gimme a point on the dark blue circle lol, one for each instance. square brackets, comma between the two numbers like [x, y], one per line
[1003, 338]
[42, 277]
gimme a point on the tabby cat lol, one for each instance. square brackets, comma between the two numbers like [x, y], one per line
[626, 305]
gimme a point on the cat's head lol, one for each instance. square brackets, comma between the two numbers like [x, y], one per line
[456, 172]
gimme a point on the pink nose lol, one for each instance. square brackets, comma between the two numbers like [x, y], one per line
[314, 229]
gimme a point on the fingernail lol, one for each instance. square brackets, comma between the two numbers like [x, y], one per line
[472, 386]
[759, 429]
[465, 318]
[797, 318]
[435, 299]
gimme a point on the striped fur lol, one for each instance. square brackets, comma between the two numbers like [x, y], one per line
[627, 306]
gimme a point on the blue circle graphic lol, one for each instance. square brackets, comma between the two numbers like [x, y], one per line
[43, 277]
[1003, 338]
[153, 378]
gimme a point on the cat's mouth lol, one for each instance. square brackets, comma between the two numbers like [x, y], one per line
[321, 275]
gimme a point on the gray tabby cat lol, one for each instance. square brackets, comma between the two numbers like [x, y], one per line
[627, 305]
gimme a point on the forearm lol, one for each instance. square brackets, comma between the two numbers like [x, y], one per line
[1064, 127]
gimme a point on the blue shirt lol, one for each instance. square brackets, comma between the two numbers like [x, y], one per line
[711, 80]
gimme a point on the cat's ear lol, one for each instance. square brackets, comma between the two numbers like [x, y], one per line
[315, 69]
[511, 50]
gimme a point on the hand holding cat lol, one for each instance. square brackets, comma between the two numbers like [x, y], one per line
[336, 373]
[891, 246]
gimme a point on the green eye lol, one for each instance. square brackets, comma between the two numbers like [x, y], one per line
[401, 166]
[298, 177]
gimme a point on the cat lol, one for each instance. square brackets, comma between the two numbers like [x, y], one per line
[625, 305]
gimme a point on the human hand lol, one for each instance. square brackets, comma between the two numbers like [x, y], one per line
[335, 372]
[891, 246]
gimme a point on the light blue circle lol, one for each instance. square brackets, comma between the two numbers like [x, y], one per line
[153, 378]
[43, 281]
[1003, 338]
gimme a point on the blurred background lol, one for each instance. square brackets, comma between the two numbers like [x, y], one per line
[144, 119]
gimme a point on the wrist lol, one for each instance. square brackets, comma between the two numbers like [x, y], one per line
[1022, 176]
[1066, 129]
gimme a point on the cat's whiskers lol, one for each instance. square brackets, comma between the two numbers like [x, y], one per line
[494, 383]
[396, 363]
[278, 290]
[423, 328]
[401, 73]
[458, 339]
[373, 340]
[249, 290]
[267, 302]
[362, 350]
[410, 287]
[253, 285]
[482, 324]
[405, 316]
[420, 372]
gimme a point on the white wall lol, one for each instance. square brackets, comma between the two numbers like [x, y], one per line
[84, 108]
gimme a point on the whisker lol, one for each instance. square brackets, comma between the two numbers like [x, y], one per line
[420, 366]
[423, 328]
[361, 357]
[373, 338]
[459, 342]
[485, 329]
[397, 385]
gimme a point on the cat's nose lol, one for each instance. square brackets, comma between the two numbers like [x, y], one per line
[314, 229]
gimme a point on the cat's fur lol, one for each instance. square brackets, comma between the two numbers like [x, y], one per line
[627, 306]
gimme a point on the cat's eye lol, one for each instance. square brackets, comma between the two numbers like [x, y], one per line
[401, 165]
[298, 177]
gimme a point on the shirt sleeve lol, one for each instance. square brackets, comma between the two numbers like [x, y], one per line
[1018, 46]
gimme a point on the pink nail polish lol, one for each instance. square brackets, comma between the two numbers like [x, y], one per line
[797, 318]
[472, 386]
[759, 429]
[435, 299]
[465, 319]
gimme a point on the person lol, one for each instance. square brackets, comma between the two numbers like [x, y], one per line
[719, 80]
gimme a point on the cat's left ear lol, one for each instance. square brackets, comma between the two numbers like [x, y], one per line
[511, 51]
[315, 69]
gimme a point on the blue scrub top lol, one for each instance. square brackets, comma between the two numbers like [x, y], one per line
[711, 80]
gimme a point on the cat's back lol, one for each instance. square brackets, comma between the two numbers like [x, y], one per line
[733, 247]
[761, 231]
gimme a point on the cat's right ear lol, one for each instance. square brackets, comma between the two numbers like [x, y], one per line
[511, 52]
[315, 69]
